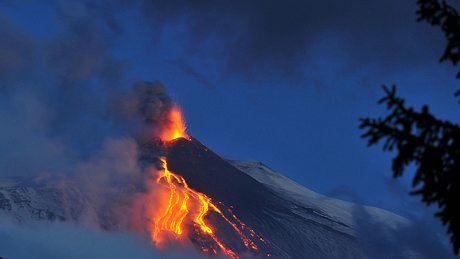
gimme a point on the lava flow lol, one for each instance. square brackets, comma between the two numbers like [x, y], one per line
[183, 210]
[183, 201]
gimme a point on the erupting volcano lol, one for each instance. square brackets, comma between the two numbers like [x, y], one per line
[182, 193]
[192, 196]
[187, 213]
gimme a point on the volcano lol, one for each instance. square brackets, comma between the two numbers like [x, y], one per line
[279, 217]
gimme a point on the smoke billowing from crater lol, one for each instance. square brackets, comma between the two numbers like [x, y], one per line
[65, 131]
[161, 118]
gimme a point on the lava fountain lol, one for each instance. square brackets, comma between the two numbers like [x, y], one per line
[175, 125]
[182, 211]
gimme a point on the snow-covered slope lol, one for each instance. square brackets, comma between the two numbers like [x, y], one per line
[339, 210]
[378, 233]
[24, 200]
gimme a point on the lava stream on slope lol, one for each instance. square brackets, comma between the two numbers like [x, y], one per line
[185, 207]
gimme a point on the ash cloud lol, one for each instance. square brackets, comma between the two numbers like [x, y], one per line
[149, 99]
[57, 93]
[286, 41]
[72, 124]
[63, 108]
[62, 125]
[283, 39]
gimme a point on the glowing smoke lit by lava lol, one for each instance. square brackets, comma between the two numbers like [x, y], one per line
[175, 127]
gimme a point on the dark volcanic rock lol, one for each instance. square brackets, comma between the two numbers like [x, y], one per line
[290, 229]
[208, 173]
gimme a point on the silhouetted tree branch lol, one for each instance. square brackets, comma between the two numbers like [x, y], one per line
[419, 138]
[441, 14]
[432, 145]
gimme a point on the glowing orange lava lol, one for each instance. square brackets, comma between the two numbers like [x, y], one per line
[183, 201]
[175, 126]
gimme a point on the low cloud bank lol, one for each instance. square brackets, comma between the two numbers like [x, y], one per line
[64, 240]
